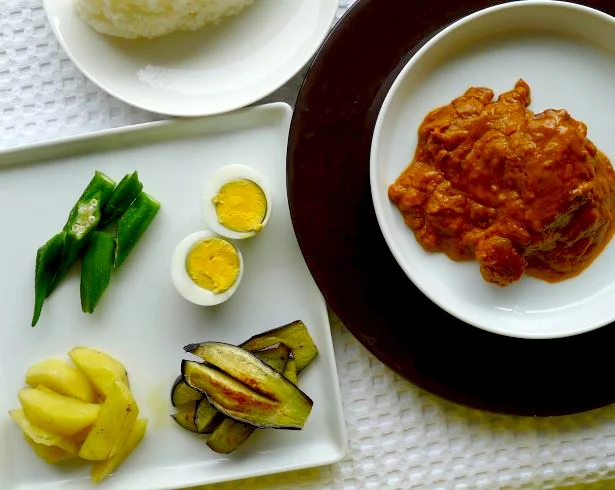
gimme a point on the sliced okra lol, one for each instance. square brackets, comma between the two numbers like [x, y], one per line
[83, 224]
[132, 224]
[100, 186]
[96, 268]
[122, 197]
[82, 221]
[48, 259]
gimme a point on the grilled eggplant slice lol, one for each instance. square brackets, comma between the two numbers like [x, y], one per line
[206, 417]
[181, 393]
[276, 356]
[229, 435]
[196, 414]
[247, 385]
[185, 416]
[232, 397]
[245, 388]
[295, 335]
[290, 371]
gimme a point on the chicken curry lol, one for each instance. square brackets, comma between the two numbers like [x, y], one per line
[516, 191]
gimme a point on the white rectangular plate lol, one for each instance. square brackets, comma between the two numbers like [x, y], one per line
[141, 319]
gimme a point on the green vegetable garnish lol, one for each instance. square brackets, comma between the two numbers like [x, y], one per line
[48, 258]
[132, 225]
[57, 256]
[122, 197]
[84, 223]
[100, 187]
[102, 228]
[96, 267]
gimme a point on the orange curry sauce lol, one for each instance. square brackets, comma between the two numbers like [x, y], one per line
[516, 191]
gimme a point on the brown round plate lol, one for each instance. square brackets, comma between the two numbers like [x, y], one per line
[333, 217]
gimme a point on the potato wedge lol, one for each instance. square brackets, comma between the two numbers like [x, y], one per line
[113, 426]
[102, 469]
[81, 436]
[42, 436]
[101, 369]
[57, 413]
[50, 454]
[44, 388]
[61, 377]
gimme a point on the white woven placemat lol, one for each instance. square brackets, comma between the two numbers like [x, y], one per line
[399, 436]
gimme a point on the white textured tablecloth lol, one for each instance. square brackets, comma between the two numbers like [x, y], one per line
[399, 436]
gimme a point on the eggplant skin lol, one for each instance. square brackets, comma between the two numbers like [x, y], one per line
[229, 435]
[239, 401]
[249, 370]
[206, 416]
[185, 416]
[181, 393]
[276, 356]
[294, 334]
[290, 371]
[244, 388]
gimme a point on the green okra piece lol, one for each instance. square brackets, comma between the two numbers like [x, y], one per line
[121, 198]
[100, 186]
[80, 223]
[48, 259]
[96, 268]
[132, 224]
[83, 224]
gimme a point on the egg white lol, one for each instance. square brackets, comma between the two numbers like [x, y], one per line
[222, 176]
[185, 285]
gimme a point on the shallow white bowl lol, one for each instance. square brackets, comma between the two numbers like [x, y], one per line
[566, 53]
[216, 69]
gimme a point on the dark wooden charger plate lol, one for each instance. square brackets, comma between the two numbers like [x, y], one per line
[333, 217]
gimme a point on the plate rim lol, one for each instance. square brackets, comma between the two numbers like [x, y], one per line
[295, 67]
[11, 155]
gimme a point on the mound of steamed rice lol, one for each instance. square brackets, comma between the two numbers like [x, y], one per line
[153, 18]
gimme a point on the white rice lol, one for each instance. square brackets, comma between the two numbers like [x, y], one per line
[153, 18]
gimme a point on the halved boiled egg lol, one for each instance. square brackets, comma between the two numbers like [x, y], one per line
[206, 268]
[236, 201]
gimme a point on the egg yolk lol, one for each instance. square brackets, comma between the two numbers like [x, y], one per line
[241, 206]
[213, 264]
